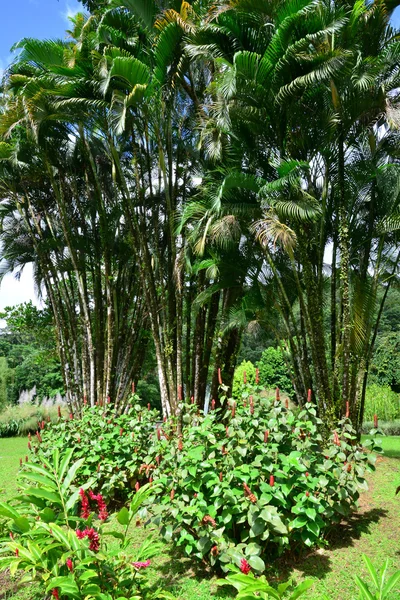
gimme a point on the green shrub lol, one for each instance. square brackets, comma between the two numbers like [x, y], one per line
[114, 446]
[382, 401]
[252, 588]
[274, 371]
[238, 379]
[69, 555]
[386, 427]
[254, 479]
[21, 419]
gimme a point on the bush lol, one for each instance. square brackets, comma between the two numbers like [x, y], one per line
[386, 427]
[244, 482]
[253, 479]
[382, 401]
[68, 554]
[238, 379]
[274, 371]
[20, 419]
[114, 446]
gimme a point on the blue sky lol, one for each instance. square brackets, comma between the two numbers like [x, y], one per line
[32, 18]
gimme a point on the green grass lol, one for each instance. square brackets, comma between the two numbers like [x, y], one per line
[372, 531]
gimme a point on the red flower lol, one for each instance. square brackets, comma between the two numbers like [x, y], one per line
[376, 421]
[172, 494]
[55, 595]
[69, 564]
[307, 473]
[39, 437]
[137, 486]
[26, 459]
[16, 552]
[244, 566]
[29, 446]
[133, 387]
[180, 445]
[233, 409]
[220, 476]
[347, 410]
[244, 377]
[71, 416]
[85, 512]
[307, 494]
[101, 505]
[212, 404]
[158, 433]
[277, 395]
[93, 538]
[121, 431]
[214, 550]
[257, 376]
[309, 396]
[271, 480]
[219, 377]
[148, 406]
[141, 565]
[266, 434]
[20, 462]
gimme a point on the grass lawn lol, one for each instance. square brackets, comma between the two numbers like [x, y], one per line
[373, 530]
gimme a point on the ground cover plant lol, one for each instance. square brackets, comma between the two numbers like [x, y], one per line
[372, 531]
[246, 481]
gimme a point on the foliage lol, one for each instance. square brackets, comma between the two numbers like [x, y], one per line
[274, 371]
[28, 343]
[246, 368]
[385, 366]
[386, 427]
[114, 446]
[251, 588]
[252, 479]
[380, 400]
[69, 554]
[380, 582]
[5, 380]
[21, 419]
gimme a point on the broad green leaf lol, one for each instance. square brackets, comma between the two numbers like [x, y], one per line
[256, 563]
[44, 495]
[71, 474]
[23, 524]
[301, 589]
[123, 516]
[391, 583]
[363, 588]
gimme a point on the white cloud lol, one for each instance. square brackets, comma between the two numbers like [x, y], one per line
[14, 291]
[71, 9]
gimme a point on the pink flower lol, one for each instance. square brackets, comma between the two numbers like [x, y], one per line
[69, 564]
[244, 566]
[55, 595]
[141, 565]
[101, 505]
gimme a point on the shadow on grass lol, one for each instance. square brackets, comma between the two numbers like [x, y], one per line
[317, 562]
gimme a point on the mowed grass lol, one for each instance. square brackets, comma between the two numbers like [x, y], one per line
[373, 530]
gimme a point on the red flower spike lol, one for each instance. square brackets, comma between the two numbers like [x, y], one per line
[84, 400]
[141, 565]
[26, 459]
[55, 594]
[108, 400]
[71, 416]
[39, 437]
[137, 486]
[233, 410]
[42, 425]
[180, 393]
[11, 535]
[195, 495]
[148, 406]
[271, 480]
[376, 421]
[244, 566]
[220, 476]
[158, 434]
[257, 376]
[347, 410]
[59, 412]
[172, 494]
[266, 435]
[309, 396]
[287, 403]
[210, 520]
[133, 387]
[244, 377]
[227, 430]
[69, 564]
[121, 431]
[249, 493]
[219, 377]
[165, 419]
[180, 445]
[192, 400]
[212, 404]
[214, 550]
[307, 494]
[93, 538]
[158, 460]
[29, 446]
[85, 508]
[16, 552]
[307, 473]
[277, 395]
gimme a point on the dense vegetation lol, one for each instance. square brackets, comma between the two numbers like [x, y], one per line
[179, 172]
